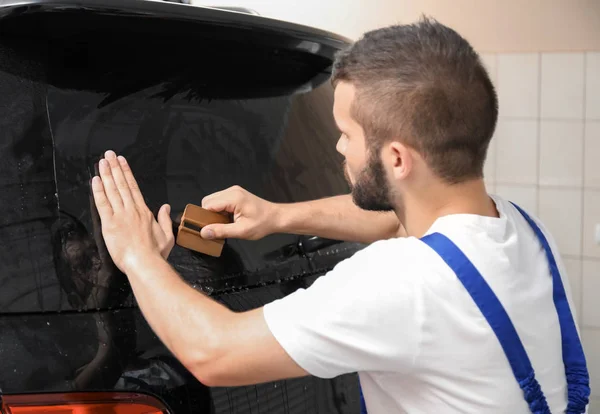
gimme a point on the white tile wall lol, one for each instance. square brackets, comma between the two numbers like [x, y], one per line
[592, 83]
[591, 217]
[591, 346]
[516, 151]
[524, 196]
[594, 407]
[547, 158]
[591, 287]
[562, 90]
[518, 84]
[490, 63]
[592, 154]
[560, 210]
[489, 168]
[573, 269]
[561, 153]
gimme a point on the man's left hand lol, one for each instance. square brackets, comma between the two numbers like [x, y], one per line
[130, 231]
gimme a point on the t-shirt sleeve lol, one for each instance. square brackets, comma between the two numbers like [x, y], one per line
[364, 315]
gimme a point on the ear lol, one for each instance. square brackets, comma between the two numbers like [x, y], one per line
[401, 159]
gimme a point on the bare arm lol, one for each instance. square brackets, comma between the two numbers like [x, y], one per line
[340, 219]
[218, 346]
[334, 218]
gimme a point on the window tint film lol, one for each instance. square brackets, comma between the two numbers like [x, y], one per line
[242, 116]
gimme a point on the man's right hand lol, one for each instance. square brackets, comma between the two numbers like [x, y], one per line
[253, 217]
[334, 217]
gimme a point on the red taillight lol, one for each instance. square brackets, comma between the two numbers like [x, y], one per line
[82, 403]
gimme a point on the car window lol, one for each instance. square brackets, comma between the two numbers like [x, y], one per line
[182, 147]
[280, 148]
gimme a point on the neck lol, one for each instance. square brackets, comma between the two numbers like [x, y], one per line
[420, 209]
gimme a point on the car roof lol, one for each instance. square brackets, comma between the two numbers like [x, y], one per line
[183, 12]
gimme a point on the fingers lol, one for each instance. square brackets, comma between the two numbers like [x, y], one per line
[110, 189]
[164, 220]
[223, 231]
[134, 188]
[102, 204]
[225, 200]
[164, 225]
[121, 183]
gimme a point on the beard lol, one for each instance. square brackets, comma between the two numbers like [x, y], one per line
[371, 190]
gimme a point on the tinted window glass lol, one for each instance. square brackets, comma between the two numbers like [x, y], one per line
[182, 145]
[195, 107]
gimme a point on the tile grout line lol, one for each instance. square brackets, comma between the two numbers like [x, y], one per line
[548, 186]
[538, 138]
[552, 119]
[582, 237]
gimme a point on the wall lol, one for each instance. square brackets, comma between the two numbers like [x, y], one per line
[545, 156]
[544, 58]
[345, 17]
[517, 25]
[490, 25]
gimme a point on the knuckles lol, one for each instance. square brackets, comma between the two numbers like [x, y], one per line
[238, 191]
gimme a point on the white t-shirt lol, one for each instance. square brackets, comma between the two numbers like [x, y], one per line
[397, 314]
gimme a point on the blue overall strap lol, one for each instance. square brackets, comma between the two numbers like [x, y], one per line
[494, 313]
[578, 381]
[363, 405]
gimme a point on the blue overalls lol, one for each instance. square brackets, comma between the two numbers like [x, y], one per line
[491, 308]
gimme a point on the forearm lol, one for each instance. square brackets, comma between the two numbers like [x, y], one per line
[340, 219]
[187, 322]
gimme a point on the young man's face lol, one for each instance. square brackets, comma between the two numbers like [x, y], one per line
[363, 167]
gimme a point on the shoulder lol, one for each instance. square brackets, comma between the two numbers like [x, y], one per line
[405, 250]
[394, 260]
[512, 211]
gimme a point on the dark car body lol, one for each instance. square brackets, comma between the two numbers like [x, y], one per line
[197, 99]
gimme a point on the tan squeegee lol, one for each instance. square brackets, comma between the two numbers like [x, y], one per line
[192, 221]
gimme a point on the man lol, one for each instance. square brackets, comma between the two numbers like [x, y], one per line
[468, 313]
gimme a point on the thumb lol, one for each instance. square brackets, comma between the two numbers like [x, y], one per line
[222, 231]
[164, 220]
